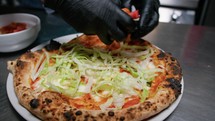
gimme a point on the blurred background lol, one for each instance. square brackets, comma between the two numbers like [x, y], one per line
[195, 12]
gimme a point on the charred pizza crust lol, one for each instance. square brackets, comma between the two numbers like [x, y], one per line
[49, 105]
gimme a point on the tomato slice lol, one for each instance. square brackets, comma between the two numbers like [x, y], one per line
[131, 102]
[134, 14]
[156, 83]
[32, 83]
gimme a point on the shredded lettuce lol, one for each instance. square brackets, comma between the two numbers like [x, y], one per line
[109, 74]
[143, 95]
[105, 105]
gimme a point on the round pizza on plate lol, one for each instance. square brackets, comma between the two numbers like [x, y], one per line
[85, 79]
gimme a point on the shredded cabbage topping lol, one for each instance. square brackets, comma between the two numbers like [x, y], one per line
[115, 75]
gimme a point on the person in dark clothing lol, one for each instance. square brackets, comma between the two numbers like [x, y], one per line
[106, 19]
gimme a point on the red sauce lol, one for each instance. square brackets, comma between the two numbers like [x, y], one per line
[156, 83]
[132, 101]
[32, 83]
[13, 27]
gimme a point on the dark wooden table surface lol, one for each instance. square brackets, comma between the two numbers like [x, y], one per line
[193, 46]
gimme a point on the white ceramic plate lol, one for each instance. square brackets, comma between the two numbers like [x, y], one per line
[29, 117]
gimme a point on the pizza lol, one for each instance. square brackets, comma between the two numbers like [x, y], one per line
[85, 79]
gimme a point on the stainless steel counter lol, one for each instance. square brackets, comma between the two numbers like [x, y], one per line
[185, 4]
[193, 46]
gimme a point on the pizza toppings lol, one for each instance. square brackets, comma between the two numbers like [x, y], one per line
[133, 101]
[155, 84]
[111, 83]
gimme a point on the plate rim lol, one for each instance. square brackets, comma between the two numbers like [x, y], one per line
[29, 116]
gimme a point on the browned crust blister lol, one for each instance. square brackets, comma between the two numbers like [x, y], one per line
[173, 71]
[54, 106]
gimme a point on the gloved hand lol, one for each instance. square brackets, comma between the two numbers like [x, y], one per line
[101, 17]
[149, 16]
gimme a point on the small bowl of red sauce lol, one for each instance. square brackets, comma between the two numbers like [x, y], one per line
[18, 31]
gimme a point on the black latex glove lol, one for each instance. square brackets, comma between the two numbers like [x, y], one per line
[149, 16]
[101, 17]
